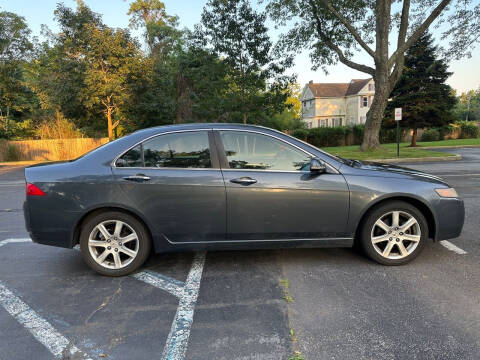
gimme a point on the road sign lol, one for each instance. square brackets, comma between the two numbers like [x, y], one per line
[398, 114]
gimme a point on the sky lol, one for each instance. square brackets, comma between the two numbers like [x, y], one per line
[466, 73]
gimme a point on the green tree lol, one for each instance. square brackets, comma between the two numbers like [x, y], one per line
[206, 83]
[334, 30]
[238, 34]
[86, 73]
[290, 118]
[15, 49]
[426, 100]
[165, 43]
[161, 32]
[467, 107]
[57, 72]
[110, 56]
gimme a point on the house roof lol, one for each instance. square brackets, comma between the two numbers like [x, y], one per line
[356, 85]
[337, 89]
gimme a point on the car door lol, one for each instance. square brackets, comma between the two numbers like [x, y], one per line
[174, 180]
[271, 193]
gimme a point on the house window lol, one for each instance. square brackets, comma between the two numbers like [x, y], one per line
[371, 87]
[323, 123]
[309, 125]
[364, 101]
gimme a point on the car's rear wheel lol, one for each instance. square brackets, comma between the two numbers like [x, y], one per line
[394, 233]
[114, 243]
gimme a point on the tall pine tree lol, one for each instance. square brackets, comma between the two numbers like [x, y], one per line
[426, 100]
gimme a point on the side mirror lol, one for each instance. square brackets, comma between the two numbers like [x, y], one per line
[317, 166]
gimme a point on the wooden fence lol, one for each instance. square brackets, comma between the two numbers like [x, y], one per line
[47, 150]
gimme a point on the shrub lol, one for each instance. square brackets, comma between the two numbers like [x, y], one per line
[468, 130]
[300, 134]
[447, 130]
[389, 135]
[431, 135]
[327, 136]
[358, 131]
[58, 128]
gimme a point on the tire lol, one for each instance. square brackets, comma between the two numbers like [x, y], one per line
[124, 239]
[387, 243]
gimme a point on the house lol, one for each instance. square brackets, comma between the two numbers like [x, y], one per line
[337, 104]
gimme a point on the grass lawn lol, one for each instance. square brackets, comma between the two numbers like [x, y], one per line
[388, 151]
[458, 142]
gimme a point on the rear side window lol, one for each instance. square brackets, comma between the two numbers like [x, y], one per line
[178, 150]
[132, 158]
[246, 150]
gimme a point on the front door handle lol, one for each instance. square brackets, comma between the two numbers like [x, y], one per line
[137, 178]
[245, 180]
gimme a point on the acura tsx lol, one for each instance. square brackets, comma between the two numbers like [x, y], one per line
[228, 187]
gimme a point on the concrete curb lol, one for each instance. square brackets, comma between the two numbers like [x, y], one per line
[417, 160]
[448, 147]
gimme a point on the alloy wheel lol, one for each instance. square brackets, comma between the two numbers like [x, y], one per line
[113, 244]
[396, 235]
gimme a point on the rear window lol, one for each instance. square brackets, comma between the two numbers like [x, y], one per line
[178, 150]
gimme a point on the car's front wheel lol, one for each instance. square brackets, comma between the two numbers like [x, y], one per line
[394, 233]
[114, 243]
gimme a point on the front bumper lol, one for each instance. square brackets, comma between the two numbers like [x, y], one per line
[450, 216]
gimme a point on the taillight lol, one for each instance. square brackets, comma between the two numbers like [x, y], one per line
[34, 190]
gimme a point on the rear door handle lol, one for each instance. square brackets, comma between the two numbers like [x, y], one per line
[137, 178]
[245, 180]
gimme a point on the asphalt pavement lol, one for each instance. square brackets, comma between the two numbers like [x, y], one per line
[341, 305]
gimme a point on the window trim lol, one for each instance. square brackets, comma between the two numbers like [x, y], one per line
[363, 102]
[224, 160]
[213, 152]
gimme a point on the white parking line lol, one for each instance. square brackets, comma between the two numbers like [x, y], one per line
[452, 247]
[177, 340]
[45, 333]
[160, 281]
[10, 241]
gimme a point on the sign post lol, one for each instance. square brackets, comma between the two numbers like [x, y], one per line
[398, 117]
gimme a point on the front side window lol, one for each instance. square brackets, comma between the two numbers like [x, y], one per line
[178, 150]
[246, 150]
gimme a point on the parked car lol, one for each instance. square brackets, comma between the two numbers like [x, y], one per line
[229, 186]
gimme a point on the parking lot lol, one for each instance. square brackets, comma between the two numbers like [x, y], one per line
[233, 305]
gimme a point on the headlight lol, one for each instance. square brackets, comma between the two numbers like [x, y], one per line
[447, 193]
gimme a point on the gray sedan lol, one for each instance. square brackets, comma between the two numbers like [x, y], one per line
[230, 187]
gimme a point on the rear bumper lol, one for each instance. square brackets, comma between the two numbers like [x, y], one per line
[46, 235]
[450, 214]
[58, 239]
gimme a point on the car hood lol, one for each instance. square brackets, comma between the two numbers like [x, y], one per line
[386, 170]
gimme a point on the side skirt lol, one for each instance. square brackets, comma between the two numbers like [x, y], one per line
[165, 245]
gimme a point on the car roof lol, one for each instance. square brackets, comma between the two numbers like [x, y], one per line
[191, 126]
